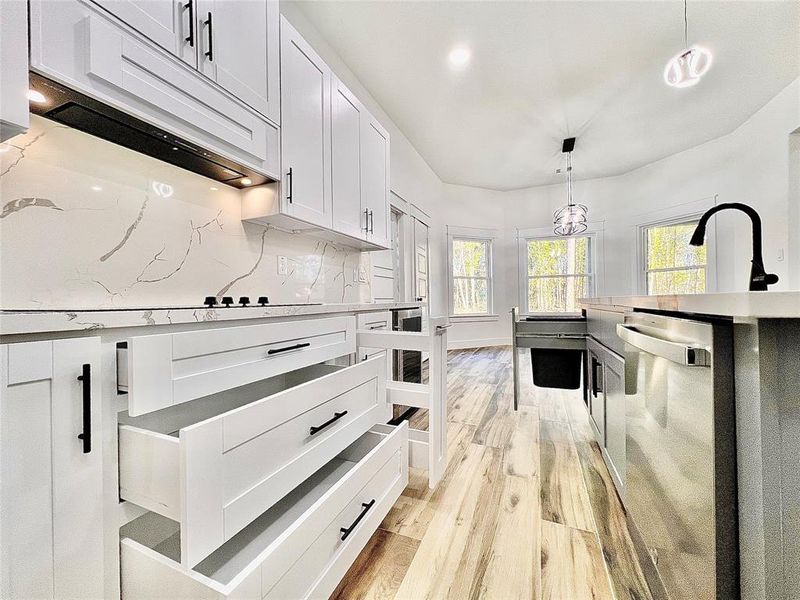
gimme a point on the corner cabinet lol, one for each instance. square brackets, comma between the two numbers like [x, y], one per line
[51, 477]
[334, 157]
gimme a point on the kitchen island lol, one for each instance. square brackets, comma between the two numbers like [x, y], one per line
[766, 380]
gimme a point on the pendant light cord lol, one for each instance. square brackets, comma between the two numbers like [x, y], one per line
[685, 24]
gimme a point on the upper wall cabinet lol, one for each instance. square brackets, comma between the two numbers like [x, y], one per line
[88, 47]
[14, 115]
[334, 157]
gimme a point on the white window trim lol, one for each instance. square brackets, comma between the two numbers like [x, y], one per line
[594, 231]
[477, 234]
[711, 249]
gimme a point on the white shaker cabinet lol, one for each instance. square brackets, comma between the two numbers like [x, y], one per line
[305, 130]
[14, 116]
[348, 116]
[51, 479]
[375, 181]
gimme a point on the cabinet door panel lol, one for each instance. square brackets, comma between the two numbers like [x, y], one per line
[597, 395]
[347, 112]
[245, 50]
[305, 129]
[375, 174]
[614, 386]
[165, 22]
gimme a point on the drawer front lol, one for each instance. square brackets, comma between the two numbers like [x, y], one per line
[83, 47]
[239, 464]
[168, 369]
[322, 565]
[379, 320]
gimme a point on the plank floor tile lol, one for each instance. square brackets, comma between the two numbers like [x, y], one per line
[572, 565]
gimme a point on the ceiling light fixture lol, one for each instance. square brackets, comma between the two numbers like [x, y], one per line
[687, 67]
[570, 219]
[35, 96]
[246, 181]
[459, 57]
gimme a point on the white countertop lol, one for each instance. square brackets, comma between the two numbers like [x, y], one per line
[13, 322]
[744, 305]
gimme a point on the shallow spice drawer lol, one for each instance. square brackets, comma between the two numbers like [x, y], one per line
[217, 475]
[162, 370]
[301, 546]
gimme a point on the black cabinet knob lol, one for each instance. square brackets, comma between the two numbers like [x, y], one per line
[210, 301]
[227, 300]
[263, 300]
[244, 300]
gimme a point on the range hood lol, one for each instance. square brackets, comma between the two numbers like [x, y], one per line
[86, 114]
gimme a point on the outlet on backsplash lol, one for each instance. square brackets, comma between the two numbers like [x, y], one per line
[282, 265]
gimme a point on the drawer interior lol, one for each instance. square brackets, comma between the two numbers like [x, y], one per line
[246, 548]
[170, 420]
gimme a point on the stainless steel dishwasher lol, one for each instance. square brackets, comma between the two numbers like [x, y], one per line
[681, 452]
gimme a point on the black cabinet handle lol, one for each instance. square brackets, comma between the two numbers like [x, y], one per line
[366, 220]
[371, 221]
[333, 419]
[190, 6]
[289, 185]
[86, 378]
[365, 509]
[596, 377]
[210, 53]
[287, 348]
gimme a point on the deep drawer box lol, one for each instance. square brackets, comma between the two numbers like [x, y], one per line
[216, 475]
[304, 529]
[167, 369]
[378, 320]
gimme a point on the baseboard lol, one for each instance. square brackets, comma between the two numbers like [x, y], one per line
[461, 344]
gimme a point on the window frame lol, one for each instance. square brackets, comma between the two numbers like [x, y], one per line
[524, 236]
[641, 254]
[471, 235]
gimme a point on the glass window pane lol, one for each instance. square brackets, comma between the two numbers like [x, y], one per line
[561, 256]
[470, 258]
[689, 281]
[668, 246]
[470, 296]
[557, 294]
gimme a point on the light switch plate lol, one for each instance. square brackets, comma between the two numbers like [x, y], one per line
[282, 265]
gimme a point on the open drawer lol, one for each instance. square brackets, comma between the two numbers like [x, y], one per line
[300, 547]
[162, 370]
[215, 465]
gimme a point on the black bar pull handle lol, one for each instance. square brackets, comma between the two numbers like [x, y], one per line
[366, 220]
[331, 421]
[210, 53]
[287, 348]
[190, 6]
[289, 185]
[86, 436]
[365, 509]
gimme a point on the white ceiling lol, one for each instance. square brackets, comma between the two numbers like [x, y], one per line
[543, 71]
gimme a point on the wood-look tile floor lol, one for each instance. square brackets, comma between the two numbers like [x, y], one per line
[526, 508]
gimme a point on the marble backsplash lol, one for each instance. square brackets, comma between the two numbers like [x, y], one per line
[87, 224]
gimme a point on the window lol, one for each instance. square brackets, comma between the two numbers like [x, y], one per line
[471, 268]
[559, 271]
[672, 266]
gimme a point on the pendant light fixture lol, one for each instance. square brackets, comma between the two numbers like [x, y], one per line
[569, 219]
[687, 67]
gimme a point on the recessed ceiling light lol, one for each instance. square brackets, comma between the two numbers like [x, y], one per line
[246, 181]
[97, 188]
[459, 57]
[213, 189]
[37, 97]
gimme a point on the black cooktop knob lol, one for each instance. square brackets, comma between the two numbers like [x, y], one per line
[210, 301]
[227, 300]
[263, 300]
[244, 300]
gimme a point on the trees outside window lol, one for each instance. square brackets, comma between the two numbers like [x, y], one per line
[672, 266]
[471, 283]
[559, 272]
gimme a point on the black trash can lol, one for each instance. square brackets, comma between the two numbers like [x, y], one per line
[560, 369]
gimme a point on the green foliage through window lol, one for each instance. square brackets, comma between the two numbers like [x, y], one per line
[471, 284]
[672, 265]
[559, 273]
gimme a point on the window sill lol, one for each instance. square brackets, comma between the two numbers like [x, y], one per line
[473, 318]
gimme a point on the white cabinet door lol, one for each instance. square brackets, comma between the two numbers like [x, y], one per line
[51, 487]
[239, 49]
[375, 180]
[305, 130]
[614, 389]
[14, 115]
[347, 118]
[168, 23]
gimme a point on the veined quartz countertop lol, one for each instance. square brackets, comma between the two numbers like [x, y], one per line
[13, 322]
[743, 305]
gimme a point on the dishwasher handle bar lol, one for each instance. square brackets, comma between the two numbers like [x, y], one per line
[683, 354]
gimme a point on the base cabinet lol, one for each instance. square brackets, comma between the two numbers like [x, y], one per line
[51, 487]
